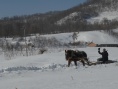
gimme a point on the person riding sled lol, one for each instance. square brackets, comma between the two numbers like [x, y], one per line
[104, 54]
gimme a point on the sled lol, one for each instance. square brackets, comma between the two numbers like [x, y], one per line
[100, 62]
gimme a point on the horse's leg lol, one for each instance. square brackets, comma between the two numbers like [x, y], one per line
[82, 60]
[87, 61]
[69, 62]
[75, 63]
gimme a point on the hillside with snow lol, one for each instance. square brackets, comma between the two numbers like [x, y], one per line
[109, 15]
[89, 36]
[69, 17]
[93, 12]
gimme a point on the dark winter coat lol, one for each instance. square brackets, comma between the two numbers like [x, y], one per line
[104, 55]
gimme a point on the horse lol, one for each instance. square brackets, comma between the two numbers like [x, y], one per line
[71, 55]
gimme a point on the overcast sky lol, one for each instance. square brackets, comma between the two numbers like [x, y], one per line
[10, 8]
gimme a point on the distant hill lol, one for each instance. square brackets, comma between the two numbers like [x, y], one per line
[92, 11]
[91, 15]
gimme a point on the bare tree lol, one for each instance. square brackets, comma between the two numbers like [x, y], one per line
[74, 36]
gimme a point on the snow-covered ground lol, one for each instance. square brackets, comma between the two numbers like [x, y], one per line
[50, 71]
[98, 37]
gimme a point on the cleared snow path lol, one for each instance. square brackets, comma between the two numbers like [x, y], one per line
[21, 68]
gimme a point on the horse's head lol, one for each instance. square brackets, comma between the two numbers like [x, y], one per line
[67, 54]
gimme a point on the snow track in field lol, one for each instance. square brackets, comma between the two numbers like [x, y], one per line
[32, 68]
[48, 67]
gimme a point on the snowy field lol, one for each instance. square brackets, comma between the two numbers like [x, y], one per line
[50, 71]
[98, 37]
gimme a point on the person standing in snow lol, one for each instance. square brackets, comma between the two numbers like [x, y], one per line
[104, 55]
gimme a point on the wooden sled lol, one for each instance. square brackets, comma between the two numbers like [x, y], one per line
[100, 62]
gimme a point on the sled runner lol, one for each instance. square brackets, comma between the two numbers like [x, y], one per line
[100, 62]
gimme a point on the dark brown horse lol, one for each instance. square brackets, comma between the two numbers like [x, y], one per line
[75, 56]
